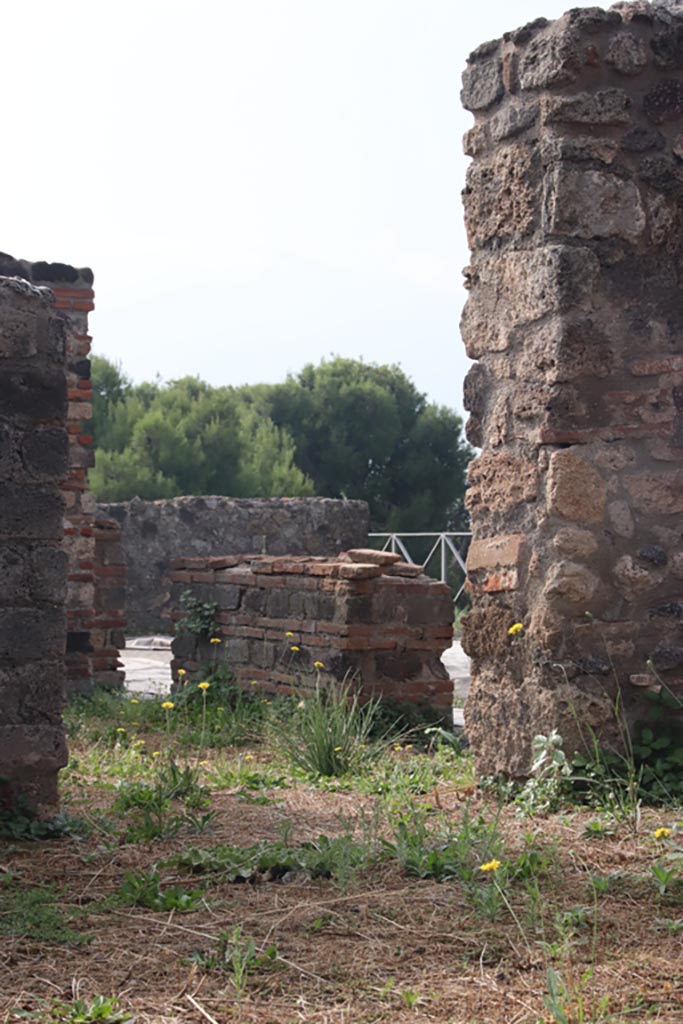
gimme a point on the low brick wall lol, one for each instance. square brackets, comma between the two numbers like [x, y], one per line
[382, 623]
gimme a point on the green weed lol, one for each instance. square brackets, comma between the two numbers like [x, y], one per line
[237, 956]
[34, 914]
[143, 889]
[99, 1010]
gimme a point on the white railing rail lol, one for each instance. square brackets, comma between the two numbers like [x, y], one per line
[449, 547]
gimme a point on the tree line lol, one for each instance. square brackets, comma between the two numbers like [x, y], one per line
[341, 429]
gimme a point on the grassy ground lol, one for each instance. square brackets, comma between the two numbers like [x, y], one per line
[202, 872]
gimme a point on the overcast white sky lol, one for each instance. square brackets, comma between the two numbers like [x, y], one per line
[257, 184]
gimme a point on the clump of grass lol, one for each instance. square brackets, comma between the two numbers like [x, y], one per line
[329, 731]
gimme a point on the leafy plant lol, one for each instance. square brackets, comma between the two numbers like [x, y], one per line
[237, 956]
[18, 824]
[426, 854]
[100, 1010]
[155, 818]
[335, 858]
[200, 616]
[549, 784]
[144, 890]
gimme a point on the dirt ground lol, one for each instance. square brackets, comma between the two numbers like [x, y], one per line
[383, 947]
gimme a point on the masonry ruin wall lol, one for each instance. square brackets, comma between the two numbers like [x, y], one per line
[34, 453]
[154, 533]
[575, 320]
[364, 618]
[95, 605]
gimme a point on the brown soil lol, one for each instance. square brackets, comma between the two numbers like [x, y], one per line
[359, 954]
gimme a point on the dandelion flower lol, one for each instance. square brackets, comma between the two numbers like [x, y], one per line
[289, 633]
[491, 865]
[203, 764]
[203, 686]
[182, 672]
[516, 629]
[318, 664]
[134, 701]
[294, 648]
[397, 746]
[156, 753]
[168, 705]
[215, 640]
[120, 730]
[662, 833]
[254, 682]
[248, 757]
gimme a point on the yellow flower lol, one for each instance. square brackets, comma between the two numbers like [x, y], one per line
[318, 664]
[203, 686]
[139, 743]
[215, 640]
[134, 701]
[289, 633]
[168, 705]
[336, 749]
[182, 672]
[294, 648]
[220, 709]
[397, 746]
[203, 763]
[120, 730]
[248, 757]
[662, 833]
[156, 753]
[516, 629]
[254, 682]
[491, 865]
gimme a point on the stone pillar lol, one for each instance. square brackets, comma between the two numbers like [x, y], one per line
[91, 649]
[33, 567]
[575, 320]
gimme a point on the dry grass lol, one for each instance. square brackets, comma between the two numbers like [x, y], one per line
[385, 948]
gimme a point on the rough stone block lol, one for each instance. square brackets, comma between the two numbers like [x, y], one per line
[608, 106]
[591, 204]
[28, 634]
[495, 552]
[33, 394]
[30, 512]
[575, 490]
[482, 84]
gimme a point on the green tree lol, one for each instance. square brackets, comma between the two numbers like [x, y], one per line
[365, 431]
[185, 437]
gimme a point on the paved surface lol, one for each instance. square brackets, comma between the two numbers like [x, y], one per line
[146, 661]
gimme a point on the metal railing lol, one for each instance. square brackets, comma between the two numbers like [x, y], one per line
[448, 554]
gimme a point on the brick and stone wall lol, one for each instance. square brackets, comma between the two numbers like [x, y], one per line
[91, 651]
[156, 532]
[33, 567]
[575, 320]
[381, 622]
